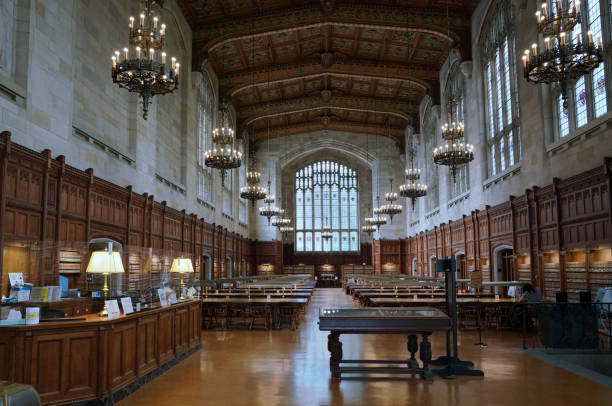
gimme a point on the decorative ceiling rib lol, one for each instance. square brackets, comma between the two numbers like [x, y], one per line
[306, 65]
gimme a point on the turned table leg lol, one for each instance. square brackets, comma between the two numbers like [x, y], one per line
[413, 347]
[425, 355]
[335, 349]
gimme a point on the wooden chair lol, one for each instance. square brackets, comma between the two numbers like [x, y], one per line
[208, 315]
[239, 313]
[220, 316]
[289, 314]
[262, 314]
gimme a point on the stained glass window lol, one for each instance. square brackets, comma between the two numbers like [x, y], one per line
[326, 196]
[499, 51]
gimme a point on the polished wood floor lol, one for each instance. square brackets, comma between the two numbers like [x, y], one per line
[292, 368]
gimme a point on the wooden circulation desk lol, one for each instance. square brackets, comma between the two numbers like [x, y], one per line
[96, 358]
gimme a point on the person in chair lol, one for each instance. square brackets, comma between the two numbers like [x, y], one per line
[530, 294]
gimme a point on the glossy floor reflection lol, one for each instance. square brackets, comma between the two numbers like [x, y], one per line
[292, 368]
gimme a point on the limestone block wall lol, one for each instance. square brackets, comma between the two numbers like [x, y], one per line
[375, 161]
[58, 94]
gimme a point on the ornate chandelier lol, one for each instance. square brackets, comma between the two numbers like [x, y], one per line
[223, 156]
[411, 189]
[268, 210]
[368, 228]
[252, 191]
[280, 220]
[143, 67]
[563, 58]
[455, 153]
[376, 220]
[391, 208]
[327, 234]
[284, 230]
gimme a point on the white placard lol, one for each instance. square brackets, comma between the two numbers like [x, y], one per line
[163, 300]
[14, 315]
[36, 294]
[113, 309]
[172, 298]
[126, 305]
[267, 298]
[137, 306]
[32, 315]
[191, 292]
[16, 278]
[23, 295]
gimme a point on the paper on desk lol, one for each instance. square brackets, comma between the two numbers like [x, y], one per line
[163, 300]
[191, 292]
[173, 298]
[16, 278]
[32, 315]
[126, 305]
[23, 295]
[113, 309]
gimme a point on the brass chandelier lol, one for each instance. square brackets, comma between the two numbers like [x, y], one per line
[376, 219]
[411, 189]
[269, 210]
[391, 208]
[223, 156]
[327, 234]
[563, 58]
[455, 152]
[252, 191]
[144, 67]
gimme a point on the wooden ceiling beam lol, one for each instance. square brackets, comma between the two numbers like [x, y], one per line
[417, 39]
[242, 54]
[383, 49]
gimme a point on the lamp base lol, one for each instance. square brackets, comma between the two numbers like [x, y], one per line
[104, 312]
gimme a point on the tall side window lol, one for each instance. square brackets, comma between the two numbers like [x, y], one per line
[205, 128]
[430, 134]
[7, 36]
[242, 203]
[326, 197]
[588, 96]
[456, 92]
[501, 96]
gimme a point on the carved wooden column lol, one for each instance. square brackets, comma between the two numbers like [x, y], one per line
[45, 212]
[539, 270]
[128, 228]
[532, 255]
[60, 178]
[90, 176]
[490, 251]
[163, 225]
[608, 173]
[183, 231]
[560, 245]
[587, 268]
[514, 242]
[5, 138]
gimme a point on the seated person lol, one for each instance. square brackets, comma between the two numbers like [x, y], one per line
[530, 294]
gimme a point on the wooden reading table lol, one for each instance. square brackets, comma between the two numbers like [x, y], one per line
[411, 321]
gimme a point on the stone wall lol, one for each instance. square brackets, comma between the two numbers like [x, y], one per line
[59, 95]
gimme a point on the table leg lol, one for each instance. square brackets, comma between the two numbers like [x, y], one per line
[425, 355]
[335, 349]
[413, 347]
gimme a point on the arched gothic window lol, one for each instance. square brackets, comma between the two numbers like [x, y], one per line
[499, 67]
[326, 197]
[242, 203]
[588, 97]
[456, 91]
[205, 128]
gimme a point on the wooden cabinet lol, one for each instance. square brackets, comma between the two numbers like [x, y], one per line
[76, 361]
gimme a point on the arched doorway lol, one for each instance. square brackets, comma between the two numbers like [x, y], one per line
[229, 270]
[461, 265]
[432, 265]
[207, 266]
[503, 266]
[414, 266]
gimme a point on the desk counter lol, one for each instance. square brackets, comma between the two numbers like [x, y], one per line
[95, 358]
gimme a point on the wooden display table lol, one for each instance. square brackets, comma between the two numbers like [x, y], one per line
[411, 321]
[95, 358]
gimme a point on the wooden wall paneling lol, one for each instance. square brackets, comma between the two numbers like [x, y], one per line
[123, 357]
[559, 233]
[128, 216]
[608, 174]
[5, 145]
[147, 344]
[88, 205]
[181, 330]
[60, 180]
[165, 337]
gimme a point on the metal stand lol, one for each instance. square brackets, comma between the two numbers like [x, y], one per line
[454, 366]
[480, 342]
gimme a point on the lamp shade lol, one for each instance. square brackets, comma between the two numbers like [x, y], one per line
[105, 262]
[181, 265]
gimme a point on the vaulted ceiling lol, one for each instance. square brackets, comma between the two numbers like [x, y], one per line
[303, 65]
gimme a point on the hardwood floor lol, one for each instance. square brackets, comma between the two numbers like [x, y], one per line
[292, 368]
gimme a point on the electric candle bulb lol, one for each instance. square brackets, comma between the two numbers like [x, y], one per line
[544, 10]
[131, 23]
[176, 69]
[142, 16]
[547, 43]
[590, 36]
[173, 62]
[577, 8]
[117, 55]
[125, 53]
[537, 16]
[163, 58]
[534, 48]
[599, 41]
[137, 52]
[151, 53]
[155, 23]
[114, 61]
